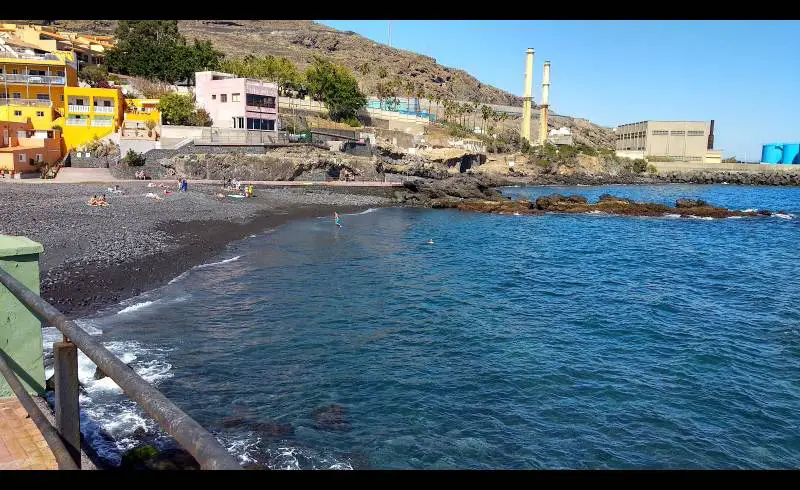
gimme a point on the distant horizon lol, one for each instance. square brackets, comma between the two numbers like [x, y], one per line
[646, 70]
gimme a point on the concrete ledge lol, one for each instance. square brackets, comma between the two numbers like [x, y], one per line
[18, 245]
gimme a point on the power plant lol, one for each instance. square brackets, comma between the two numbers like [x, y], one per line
[543, 108]
[525, 130]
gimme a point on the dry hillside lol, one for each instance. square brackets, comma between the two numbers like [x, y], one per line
[300, 40]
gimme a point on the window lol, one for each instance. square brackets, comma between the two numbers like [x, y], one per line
[42, 97]
[213, 96]
[658, 132]
[78, 101]
[235, 97]
[62, 97]
[60, 73]
[16, 95]
[106, 103]
[261, 124]
[14, 71]
[254, 100]
[39, 113]
[677, 133]
[223, 97]
[17, 113]
[21, 157]
[38, 157]
[696, 133]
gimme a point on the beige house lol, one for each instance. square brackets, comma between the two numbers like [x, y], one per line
[680, 141]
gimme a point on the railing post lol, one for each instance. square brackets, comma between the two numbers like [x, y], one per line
[20, 330]
[68, 422]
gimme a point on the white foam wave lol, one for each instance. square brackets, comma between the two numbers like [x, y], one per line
[707, 218]
[137, 306]
[178, 278]
[750, 210]
[232, 259]
[370, 210]
[783, 216]
[735, 217]
[672, 216]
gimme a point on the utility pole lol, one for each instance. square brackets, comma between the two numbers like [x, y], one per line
[390, 33]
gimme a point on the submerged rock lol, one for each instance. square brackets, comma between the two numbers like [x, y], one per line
[148, 457]
[331, 417]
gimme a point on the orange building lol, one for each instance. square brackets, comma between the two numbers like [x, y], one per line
[24, 149]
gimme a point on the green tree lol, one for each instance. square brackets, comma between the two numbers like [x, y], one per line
[336, 87]
[177, 109]
[94, 75]
[154, 49]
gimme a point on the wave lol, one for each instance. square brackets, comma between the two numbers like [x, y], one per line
[750, 210]
[706, 218]
[672, 216]
[783, 216]
[233, 259]
[370, 210]
[137, 306]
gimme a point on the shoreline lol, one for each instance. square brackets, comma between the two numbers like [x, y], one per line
[86, 292]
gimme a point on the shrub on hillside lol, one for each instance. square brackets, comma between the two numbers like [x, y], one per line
[651, 169]
[133, 159]
[177, 109]
[639, 166]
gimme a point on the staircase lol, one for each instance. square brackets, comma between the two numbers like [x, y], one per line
[83, 175]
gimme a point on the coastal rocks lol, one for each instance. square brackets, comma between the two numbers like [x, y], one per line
[607, 204]
[270, 428]
[757, 176]
[332, 418]
[148, 457]
[459, 187]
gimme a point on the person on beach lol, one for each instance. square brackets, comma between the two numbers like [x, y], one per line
[184, 185]
[336, 219]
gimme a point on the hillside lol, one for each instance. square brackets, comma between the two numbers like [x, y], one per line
[300, 40]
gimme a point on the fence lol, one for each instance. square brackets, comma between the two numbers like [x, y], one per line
[237, 137]
[64, 439]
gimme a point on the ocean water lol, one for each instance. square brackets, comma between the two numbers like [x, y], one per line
[556, 341]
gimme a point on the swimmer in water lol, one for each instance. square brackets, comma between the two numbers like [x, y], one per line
[336, 219]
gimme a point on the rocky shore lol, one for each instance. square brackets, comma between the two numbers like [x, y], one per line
[99, 256]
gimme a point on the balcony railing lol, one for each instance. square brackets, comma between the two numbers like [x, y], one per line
[78, 108]
[77, 122]
[102, 122]
[104, 109]
[32, 79]
[25, 102]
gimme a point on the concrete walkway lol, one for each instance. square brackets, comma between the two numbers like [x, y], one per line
[22, 446]
[74, 175]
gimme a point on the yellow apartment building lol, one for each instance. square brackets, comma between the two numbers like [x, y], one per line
[32, 85]
[142, 110]
[90, 113]
[88, 49]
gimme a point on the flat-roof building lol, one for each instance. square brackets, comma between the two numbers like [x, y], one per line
[239, 103]
[685, 141]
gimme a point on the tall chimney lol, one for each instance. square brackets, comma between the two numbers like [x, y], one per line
[711, 136]
[525, 130]
[544, 107]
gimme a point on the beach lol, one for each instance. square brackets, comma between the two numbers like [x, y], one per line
[98, 256]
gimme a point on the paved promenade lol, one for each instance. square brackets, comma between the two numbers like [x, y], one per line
[22, 446]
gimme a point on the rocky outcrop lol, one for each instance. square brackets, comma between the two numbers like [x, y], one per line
[332, 418]
[607, 204]
[147, 457]
[733, 177]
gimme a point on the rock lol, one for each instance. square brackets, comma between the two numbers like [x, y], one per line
[273, 429]
[331, 417]
[99, 374]
[140, 433]
[148, 457]
[690, 203]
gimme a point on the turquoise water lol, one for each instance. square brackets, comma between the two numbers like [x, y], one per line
[556, 341]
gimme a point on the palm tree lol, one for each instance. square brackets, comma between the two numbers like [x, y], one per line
[419, 93]
[486, 113]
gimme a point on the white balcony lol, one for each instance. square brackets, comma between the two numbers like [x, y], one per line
[100, 123]
[104, 109]
[78, 108]
[32, 79]
[77, 122]
[25, 102]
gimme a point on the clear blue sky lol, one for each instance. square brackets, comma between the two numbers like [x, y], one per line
[743, 74]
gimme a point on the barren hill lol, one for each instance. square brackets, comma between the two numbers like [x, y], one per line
[300, 40]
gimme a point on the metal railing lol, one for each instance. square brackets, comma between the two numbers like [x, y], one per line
[77, 122]
[104, 109]
[189, 434]
[230, 136]
[34, 79]
[100, 123]
[25, 102]
[78, 108]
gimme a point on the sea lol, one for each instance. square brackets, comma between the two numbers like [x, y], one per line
[449, 339]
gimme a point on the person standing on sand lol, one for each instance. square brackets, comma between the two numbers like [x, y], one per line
[336, 219]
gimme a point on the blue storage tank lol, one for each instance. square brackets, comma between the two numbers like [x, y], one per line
[790, 153]
[772, 153]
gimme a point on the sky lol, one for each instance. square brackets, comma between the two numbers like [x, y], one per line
[743, 74]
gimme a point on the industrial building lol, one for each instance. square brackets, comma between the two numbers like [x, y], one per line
[681, 141]
[782, 153]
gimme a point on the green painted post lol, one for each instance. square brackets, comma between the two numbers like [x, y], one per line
[20, 330]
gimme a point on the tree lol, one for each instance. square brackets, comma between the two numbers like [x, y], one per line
[176, 109]
[154, 49]
[94, 75]
[486, 113]
[336, 86]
